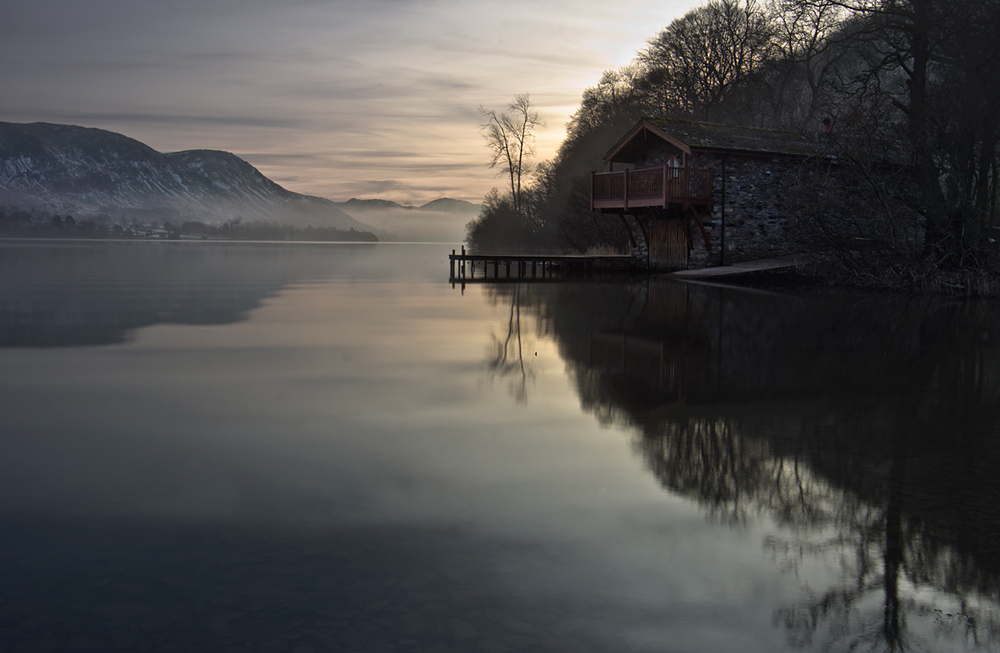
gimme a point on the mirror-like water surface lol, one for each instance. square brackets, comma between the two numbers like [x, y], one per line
[291, 448]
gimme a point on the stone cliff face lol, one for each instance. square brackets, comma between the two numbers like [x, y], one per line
[93, 172]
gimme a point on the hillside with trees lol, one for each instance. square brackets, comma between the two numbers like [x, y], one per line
[909, 91]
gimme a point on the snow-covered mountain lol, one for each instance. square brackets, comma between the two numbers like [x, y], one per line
[92, 172]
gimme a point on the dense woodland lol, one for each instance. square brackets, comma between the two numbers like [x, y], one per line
[911, 89]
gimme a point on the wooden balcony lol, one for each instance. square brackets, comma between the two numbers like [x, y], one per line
[663, 187]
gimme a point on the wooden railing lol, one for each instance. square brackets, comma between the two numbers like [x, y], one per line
[645, 187]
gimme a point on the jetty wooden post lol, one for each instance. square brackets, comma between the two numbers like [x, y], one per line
[451, 264]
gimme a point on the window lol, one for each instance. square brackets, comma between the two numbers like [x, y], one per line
[675, 167]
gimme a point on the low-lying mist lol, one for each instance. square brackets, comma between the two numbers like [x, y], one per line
[405, 224]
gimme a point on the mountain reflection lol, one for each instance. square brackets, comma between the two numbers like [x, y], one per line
[865, 429]
[57, 294]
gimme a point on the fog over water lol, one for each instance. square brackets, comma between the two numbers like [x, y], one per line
[268, 447]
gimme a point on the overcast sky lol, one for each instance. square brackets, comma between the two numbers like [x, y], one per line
[337, 98]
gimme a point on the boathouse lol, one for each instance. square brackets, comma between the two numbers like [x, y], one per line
[697, 193]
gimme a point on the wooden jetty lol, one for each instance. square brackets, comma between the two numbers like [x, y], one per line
[499, 268]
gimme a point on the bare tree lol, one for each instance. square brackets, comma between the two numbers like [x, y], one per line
[510, 137]
[701, 57]
[935, 63]
[811, 48]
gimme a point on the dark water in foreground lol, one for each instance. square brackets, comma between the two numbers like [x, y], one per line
[268, 448]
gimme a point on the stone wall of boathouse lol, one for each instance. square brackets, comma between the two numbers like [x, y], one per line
[764, 198]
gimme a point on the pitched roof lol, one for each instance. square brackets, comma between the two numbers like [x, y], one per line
[688, 135]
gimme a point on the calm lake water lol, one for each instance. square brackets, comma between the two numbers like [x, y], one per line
[303, 448]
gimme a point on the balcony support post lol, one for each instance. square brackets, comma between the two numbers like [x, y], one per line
[625, 190]
[704, 232]
[666, 194]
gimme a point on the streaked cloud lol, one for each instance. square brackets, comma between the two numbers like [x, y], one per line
[324, 96]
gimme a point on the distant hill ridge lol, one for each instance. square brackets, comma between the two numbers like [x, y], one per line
[444, 204]
[442, 220]
[94, 172]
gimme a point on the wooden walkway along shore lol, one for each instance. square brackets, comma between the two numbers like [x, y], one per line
[745, 267]
[498, 268]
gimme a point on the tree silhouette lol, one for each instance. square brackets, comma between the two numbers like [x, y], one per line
[510, 138]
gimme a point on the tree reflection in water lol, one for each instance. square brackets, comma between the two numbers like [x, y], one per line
[867, 429]
[506, 357]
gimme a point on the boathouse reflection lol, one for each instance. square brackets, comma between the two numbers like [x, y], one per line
[867, 430]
